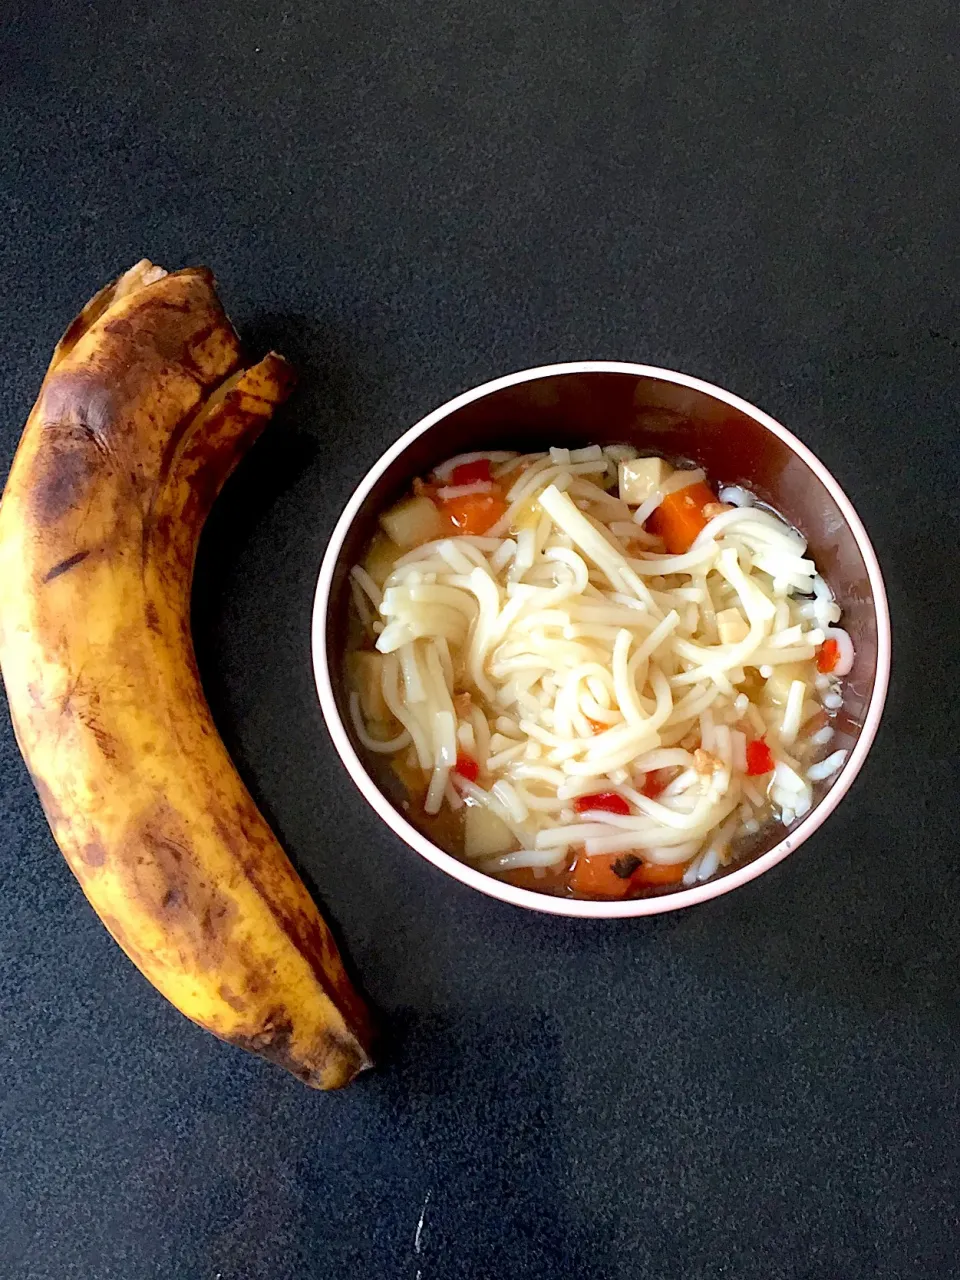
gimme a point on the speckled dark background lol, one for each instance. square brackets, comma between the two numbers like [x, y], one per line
[410, 198]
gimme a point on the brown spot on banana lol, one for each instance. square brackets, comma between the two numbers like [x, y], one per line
[65, 480]
[152, 616]
[143, 414]
[94, 854]
[65, 565]
[234, 1001]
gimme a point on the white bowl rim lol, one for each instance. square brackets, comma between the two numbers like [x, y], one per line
[529, 898]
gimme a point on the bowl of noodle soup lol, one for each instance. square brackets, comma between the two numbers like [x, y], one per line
[601, 639]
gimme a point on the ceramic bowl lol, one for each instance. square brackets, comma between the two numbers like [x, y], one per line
[599, 402]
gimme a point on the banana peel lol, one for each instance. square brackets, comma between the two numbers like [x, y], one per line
[144, 412]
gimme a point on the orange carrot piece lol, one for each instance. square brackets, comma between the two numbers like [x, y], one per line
[474, 513]
[679, 517]
[653, 873]
[597, 878]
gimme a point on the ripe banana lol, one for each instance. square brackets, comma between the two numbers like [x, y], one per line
[142, 415]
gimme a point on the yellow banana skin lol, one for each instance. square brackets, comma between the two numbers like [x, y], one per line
[143, 413]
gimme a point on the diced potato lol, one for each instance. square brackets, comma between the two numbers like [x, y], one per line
[639, 477]
[412, 522]
[381, 558]
[484, 834]
[732, 626]
[776, 689]
[367, 672]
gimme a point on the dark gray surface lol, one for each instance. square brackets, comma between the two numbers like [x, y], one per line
[410, 198]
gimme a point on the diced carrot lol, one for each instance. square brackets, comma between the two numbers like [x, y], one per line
[466, 767]
[679, 517]
[828, 656]
[471, 472]
[759, 759]
[600, 876]
[656, 782]
[602, 802]
[651, 873]
[474, 513]
[598, 726]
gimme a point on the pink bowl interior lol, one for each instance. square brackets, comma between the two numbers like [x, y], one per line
[584, 405]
